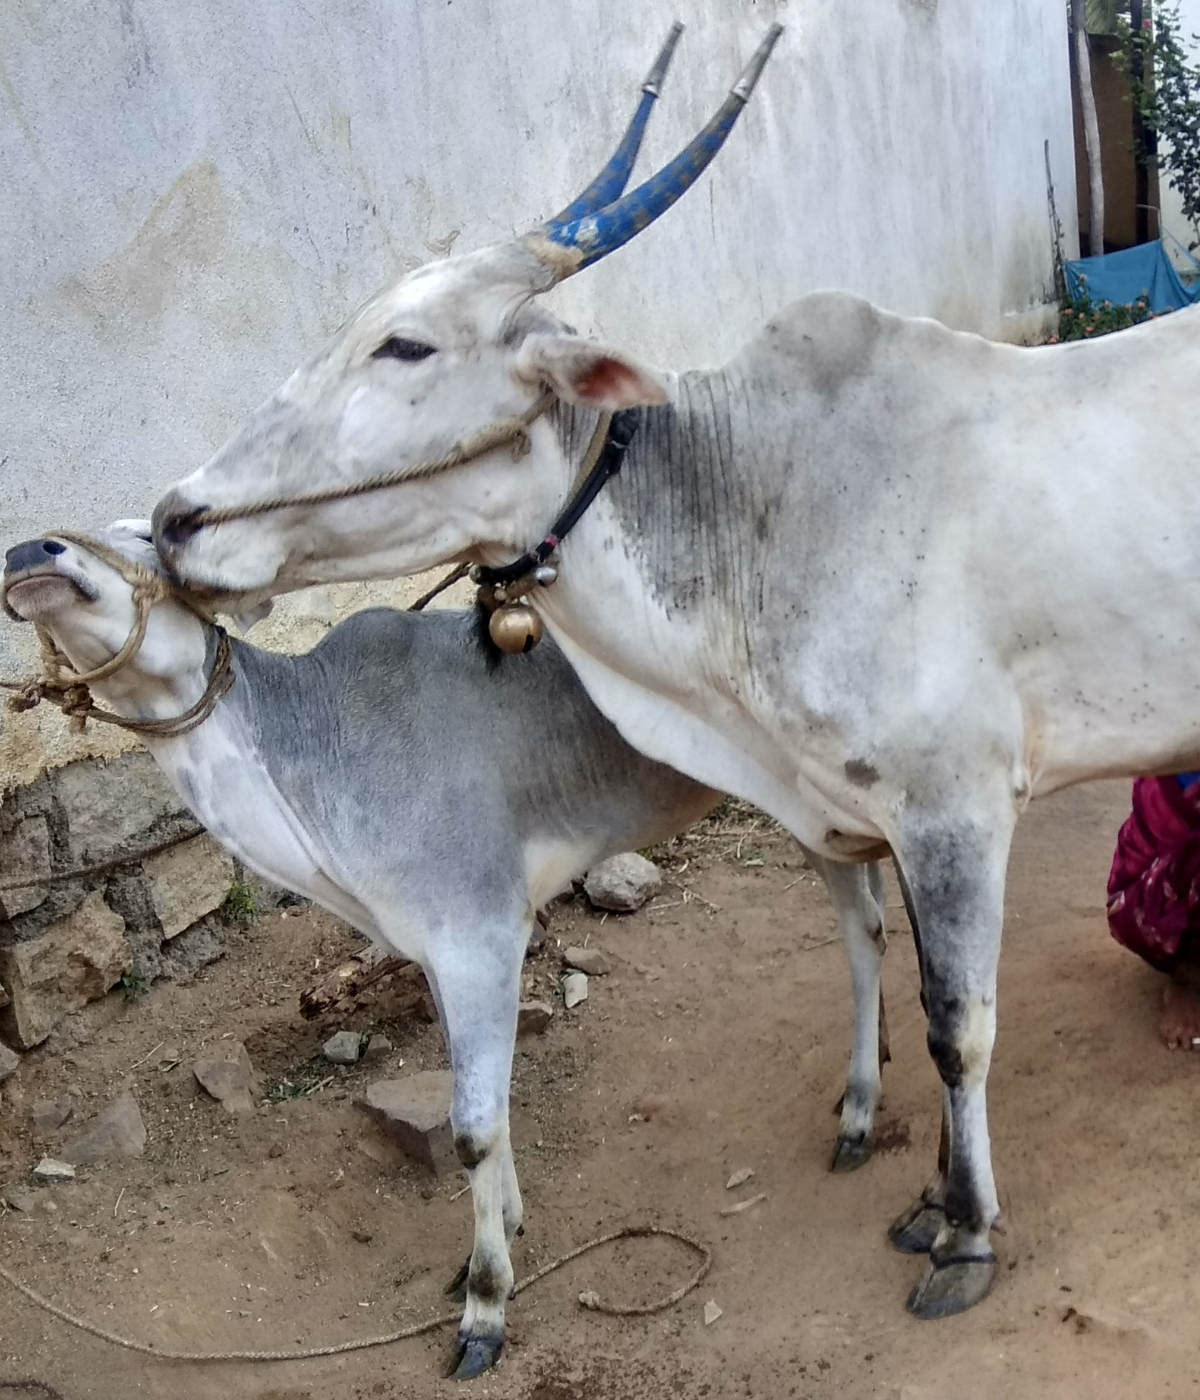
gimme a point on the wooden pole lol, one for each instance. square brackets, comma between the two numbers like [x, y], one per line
[1091, 129]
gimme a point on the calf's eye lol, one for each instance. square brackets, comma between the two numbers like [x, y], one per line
[397, 348]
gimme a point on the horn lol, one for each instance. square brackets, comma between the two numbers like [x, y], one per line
[611, 181]
[565, 247]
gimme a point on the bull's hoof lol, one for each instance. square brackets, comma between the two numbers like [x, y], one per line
[851, 1153]
[474, 1356]
[457, 1287]
[915, 1231]
[952, 1287]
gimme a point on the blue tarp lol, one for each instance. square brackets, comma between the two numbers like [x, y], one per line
[1124, 277]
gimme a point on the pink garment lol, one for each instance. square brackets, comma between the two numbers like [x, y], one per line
[1154, 884]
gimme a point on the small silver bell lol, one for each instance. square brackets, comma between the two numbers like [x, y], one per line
[515, 628]
[545, 574]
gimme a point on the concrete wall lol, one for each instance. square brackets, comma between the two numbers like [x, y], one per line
[194, 195]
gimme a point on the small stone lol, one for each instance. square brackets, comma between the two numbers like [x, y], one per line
[344, 1048]
[50, 1114]
[231, 1079]
[362, 1236]
[275, 1150]
[739, 1178]
[589, 960]
[117, 1132]
[377, 1047]
[711, 1312]
[575, 989]
[20, 1199]
[9, 1060]
[623, 882]
[533, 1017]
[51, 1169]
[652, 1108]
[415, 1111]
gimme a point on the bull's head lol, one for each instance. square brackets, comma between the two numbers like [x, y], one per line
[447, 350]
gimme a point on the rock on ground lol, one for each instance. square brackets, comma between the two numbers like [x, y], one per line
[9, 1061]
[187, 881]
[344, 1048]
[589, 960]
[229, 1078]
[575, 989]
[377, 1047]
[533, 1017]
[117, 1132]
[623, 883]
[415, 1112]
[76, 960]
[49, 1115]
[52, 1169]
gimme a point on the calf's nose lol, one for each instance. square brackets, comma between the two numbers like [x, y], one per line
[31, 554]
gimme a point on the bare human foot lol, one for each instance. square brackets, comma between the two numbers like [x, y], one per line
[1179, 1026]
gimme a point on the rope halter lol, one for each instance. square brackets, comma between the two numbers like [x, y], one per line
[60, 684]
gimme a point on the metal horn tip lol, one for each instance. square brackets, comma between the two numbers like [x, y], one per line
[753, 70]
[655, 76]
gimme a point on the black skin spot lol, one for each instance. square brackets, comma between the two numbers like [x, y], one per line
[485, 1282]
[470, 1152]
[860, 773]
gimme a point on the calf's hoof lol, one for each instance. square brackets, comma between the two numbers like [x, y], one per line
[457, 1287]
[851, 1152]
[915, 1231]
[952, 1286]
[474, 1356]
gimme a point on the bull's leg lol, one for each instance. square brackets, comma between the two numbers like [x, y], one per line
[859, 898]
[955, 871]
[477, 991]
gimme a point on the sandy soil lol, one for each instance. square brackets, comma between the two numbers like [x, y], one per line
[731, 1012]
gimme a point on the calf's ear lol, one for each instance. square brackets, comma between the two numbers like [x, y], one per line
[588, 373]
[246, 619]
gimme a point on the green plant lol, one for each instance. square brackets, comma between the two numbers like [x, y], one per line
[134, 983]
[240, 906]
[1164, 80]
[1080, 319]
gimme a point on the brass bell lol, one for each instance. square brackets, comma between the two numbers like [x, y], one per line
[515, 627]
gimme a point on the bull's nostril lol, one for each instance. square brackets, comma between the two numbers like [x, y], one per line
[53, 547]
[178, 529]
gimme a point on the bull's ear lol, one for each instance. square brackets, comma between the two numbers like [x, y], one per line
[586, 372]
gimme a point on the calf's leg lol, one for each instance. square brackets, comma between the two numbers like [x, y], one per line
[858, 896]
[477, 988]
[954, 867]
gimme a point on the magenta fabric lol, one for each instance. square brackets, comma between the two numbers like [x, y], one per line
[1154, 884]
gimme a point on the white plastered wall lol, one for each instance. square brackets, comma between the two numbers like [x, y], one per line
[194, 195]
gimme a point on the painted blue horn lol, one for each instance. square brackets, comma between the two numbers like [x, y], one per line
[582, 241]
[611, 181]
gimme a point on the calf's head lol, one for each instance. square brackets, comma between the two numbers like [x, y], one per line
[446, 351]
[87, 607]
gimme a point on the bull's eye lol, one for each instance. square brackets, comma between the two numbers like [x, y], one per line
[395, 347]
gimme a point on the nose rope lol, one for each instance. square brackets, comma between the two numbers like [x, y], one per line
[496, 434]
[60, 684]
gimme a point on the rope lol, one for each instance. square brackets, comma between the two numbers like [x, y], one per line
[503, 430]
[87, 871]
[589, 1300]
[75, 700]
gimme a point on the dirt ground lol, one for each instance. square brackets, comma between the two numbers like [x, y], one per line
[726, 1022]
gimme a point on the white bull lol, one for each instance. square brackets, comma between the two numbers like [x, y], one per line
[886, 581]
